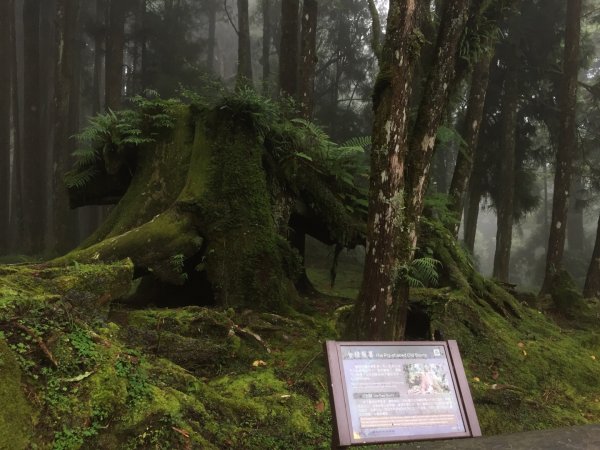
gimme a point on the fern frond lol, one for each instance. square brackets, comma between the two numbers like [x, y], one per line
[77, 179]
[363, 142]
[425, 270]
[84, 157]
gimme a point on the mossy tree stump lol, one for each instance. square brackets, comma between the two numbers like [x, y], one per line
[209, 202]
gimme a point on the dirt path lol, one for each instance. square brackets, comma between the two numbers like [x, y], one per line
[581, 437]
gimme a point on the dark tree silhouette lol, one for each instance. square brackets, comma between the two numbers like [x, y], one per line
[567, 143]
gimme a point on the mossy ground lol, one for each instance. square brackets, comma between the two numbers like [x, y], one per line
[192, 377]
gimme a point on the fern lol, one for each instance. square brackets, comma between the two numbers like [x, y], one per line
[85, 157]
[79, 178]
[362, 142]
[423, 272]
[246, 105]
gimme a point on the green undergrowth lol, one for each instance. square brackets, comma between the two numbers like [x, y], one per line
[202, 378]
[184, 378]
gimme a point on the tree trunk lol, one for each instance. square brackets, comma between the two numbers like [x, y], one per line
[99, 57]
[399, 167]
[16, 185]
[115, 45]
[505, 207]
[66, 101]
[6, 15]
[34, 159]
[266, 46]
[567, 143]
[212, 39]
[288, 51]
[308, 58]
[138, 52]
[575, 229]
[592, 280]
[470, 135]
[471, 215]
[244, 73]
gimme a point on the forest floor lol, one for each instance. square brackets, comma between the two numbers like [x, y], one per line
[81, 369]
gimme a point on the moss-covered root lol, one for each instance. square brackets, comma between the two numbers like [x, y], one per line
[155, 246]
[91, 288]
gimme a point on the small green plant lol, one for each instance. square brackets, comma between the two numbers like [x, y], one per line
[177, 264]
[420, 272]
[84, 345]
[128, 367]
[109, 137]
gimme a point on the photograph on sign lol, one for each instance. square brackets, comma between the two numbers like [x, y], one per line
[397, 392]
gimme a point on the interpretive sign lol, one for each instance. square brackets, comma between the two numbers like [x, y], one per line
[385, 392]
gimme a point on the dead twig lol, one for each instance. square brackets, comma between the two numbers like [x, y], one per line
[38, 341]
[236, 329]
[308, 364]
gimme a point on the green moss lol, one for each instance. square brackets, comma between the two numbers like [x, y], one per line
[16, 414]
[161, 172]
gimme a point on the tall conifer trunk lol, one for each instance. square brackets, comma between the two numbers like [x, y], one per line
[16, 186]
[6, 14]
[34, 159]
[470, 134]
[99, 57]
[211, 14]
[244, 74]
[66, 102]
[115, 45]
[575, 229]
[288, 51]
[308, 58]
[592, 280]
[505, 207]
[266, 45]
[567, 142]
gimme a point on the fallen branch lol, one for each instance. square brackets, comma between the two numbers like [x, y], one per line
[38, 341]
[308, 364]
[236, 329]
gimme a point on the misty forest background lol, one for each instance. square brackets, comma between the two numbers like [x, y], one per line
[196, 194]
[59, 70]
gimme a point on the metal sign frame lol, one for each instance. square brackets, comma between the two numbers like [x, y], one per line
[343, 435]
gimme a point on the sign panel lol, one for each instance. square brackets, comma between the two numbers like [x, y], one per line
[398, 391]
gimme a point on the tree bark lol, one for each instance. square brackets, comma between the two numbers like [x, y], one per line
[115, 45]
[6, 15]
[567, 143]
[308, 58]
[266, 46]
[470, 134]
[592, 280]
[16, 185]
[99, 57]
[139, 48]
[288, 51]
[211, 14]
[244, 74]
[575, 229]
[211, 208]
[34, 159]
[66, 102]
[505, 207]
[471, 213]
[399, 166]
